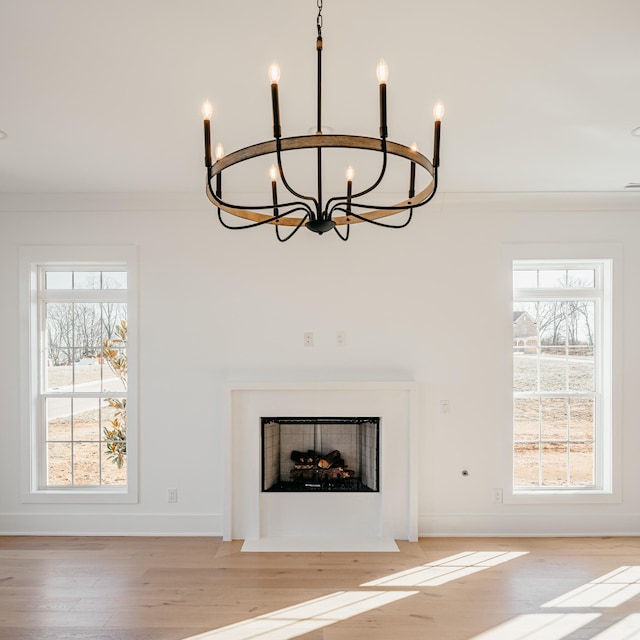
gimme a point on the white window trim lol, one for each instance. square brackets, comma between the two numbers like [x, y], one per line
[31, 258]
[611, 448]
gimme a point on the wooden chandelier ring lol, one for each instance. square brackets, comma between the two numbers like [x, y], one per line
[317, 141]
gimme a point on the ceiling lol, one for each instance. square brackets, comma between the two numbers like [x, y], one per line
[105, 97]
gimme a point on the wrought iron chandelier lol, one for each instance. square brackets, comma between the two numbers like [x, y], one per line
[311, 211]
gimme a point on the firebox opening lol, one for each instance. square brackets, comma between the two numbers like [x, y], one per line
[320, 454]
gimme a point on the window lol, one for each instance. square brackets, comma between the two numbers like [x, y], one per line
[81, 414]
[562, 376]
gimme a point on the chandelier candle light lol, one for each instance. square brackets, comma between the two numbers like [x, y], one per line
[311, 211]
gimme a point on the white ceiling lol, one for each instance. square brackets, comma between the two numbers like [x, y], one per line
[105, 96]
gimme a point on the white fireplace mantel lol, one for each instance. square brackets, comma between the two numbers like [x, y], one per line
[289, 521]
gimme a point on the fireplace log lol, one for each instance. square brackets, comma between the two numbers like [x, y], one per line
[332, 459]
[301, 457]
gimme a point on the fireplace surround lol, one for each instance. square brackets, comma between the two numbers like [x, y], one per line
[288, 520]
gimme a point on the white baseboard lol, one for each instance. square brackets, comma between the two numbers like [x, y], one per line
[533, 525]
[112, 524]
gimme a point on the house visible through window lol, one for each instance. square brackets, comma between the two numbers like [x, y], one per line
[561, 376]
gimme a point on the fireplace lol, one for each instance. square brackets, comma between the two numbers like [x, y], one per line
[288, 520]
[320, 454]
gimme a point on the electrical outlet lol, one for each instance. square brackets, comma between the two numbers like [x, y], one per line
[172, 495]
[497, 496]
[445, 406]
[341, 338]
[308, 338]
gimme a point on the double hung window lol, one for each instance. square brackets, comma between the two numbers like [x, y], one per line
[81, 428]
[561, 376]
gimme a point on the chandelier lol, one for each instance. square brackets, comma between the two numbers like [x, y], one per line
[299, 210]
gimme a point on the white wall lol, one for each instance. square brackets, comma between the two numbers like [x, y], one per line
[426, 303]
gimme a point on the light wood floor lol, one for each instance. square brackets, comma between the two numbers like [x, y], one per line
[173, 588]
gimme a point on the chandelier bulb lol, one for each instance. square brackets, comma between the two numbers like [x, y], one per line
[273, 172]
[207, 110]
[438, 111]
[219, 151]
[350, 174]
[274, 73]
[382, 72]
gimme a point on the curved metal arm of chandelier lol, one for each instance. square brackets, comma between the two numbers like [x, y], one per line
[293, 233]
[329, 207]
[276, 220]
[285, 183]
[407, 205]
[318, 141]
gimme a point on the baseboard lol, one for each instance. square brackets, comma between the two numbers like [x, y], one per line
[118, 524]
[534, 525]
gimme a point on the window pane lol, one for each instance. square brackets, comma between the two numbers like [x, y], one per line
[87, 327]
[114, 352]
[59, 377]
[86, 280]
[553, 369]
[580, 326]
[554, 464]
[114, 279]
[113, 315]
[86, 416]
[555, 418]
[525, 372]
[58, 419]
[526, 418]
[581, 365]
[582, 418]
[551, 323]
[114, 370]
[525, 279]
[59, 464]
[525, 340]
[58, 280]
[581, 461]
[526, 458]
[87, 373]
[552, 278]
[86, 464]
[114, 434]
[111, 473]
[59, 332]
[581, 278]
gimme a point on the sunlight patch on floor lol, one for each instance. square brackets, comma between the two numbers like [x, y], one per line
[610, 590]
[305, 617]
[538, 626]
[442, 571]
[627, 629]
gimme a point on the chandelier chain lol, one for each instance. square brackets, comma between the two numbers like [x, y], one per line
[319, 19]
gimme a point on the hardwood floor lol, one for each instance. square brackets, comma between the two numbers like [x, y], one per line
[174, 588]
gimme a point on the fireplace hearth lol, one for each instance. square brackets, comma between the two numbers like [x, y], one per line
[319, 454]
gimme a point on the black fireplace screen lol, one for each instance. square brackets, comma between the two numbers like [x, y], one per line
[320, 454]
